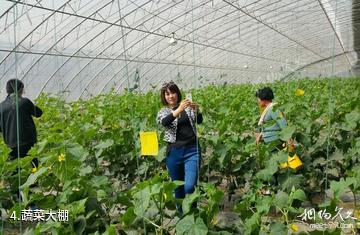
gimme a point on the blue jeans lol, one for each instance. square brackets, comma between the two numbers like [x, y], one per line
[183, 164]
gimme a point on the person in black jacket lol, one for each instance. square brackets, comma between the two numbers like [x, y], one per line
[18, 128]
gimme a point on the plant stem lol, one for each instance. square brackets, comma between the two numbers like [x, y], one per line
[157, 206]
[285, 214]
[161, 210]
[149, 221]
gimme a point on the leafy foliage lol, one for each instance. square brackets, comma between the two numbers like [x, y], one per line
[90, 164]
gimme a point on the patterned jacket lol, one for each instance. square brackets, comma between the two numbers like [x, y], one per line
[170, 131]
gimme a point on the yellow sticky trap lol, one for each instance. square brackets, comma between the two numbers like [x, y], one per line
[149, 143]
[293, 162]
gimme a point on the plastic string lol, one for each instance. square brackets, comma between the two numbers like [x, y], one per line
[330, 107]
[137, 164]
[195, 82]
[124, 46]
[17, 112]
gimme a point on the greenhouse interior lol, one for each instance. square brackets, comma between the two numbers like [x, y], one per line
[186, 117]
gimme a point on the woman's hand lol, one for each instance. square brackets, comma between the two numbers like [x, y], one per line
[183, 105]
[195, 107]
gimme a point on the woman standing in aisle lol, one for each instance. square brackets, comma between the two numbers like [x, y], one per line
[271, 121]
[183, 153]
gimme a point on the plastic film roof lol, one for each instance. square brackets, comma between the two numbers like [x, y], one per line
[85, 47]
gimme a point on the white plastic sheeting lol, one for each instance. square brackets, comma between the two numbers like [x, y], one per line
[81, 48]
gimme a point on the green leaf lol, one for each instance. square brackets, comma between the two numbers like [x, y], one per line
[17, 208]
[288, 181]
[50, 225]
[352, 117]
[337, 155]
[189, 199]
[105, 144]
[129, 216]
[278, 228]
[333, 171]
[287, 133]
[45, 202]
[80, 225]
[223, 156]
[200, 227]
[339, 187]
[85, 171]
[33, 177]
[280, 157]
[252, 223]
[281, 199]
[101, 194]
[111, 230]
[4, 153]
[162, 154]
[102, 146]
[78, 152]
[298, 194]
[263, 205]
[319, 161]
[214, 138]
[99, 120]
[178, 183]
[220, 233]
[99, 181]
[141, 201]
[77, 207]
[327, 232]
[267, 173]
[187, 225]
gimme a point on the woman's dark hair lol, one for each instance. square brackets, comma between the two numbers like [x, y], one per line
[171, 86]
[265, 94]
[14, 85]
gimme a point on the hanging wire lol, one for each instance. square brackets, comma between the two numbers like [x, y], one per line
[60, 81]
[124, 46]
[257, 51]
[62, 94]
[1, 212]
[2, 219]
[17, 111]
[195, 82]
[139, 176]
[132, 115]
[330, 102]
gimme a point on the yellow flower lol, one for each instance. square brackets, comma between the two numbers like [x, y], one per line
[75, 189]
[299, 92]
[61, 157]
[33, 170]
[283, 165]
[357, 214]
[215, 220]
[294, 227]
